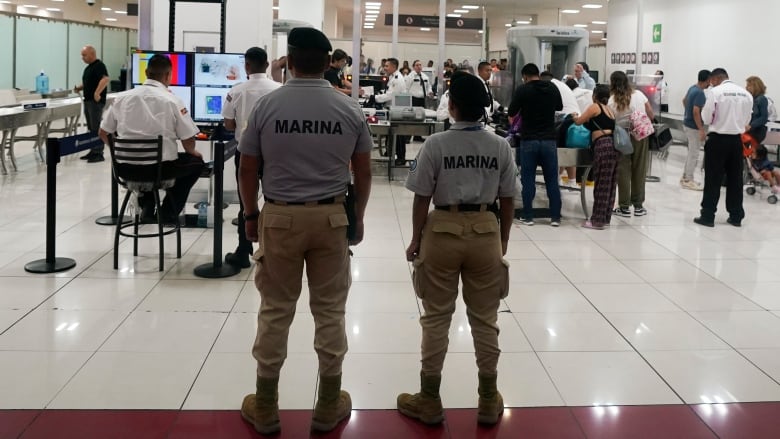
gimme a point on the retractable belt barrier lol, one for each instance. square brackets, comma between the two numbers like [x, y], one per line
[56, 148]
[217, 269]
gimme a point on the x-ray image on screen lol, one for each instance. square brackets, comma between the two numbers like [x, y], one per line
[219, 69]
[208, 103]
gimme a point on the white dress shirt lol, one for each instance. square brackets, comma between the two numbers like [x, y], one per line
[728, 109]
[149, 111]
[418, 84]
[241, 99]
[567, 96]
[395, 85]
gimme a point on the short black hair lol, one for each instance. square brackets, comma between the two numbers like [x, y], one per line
[338, 55]
[704, 75]
[482, 64]
[584, 66]
[469, 96]
[257, 59]
[158, 66]
[393, 61]
[720, 71]
[530, 69]
[572, 83]
[308, 61]
[546, 75]
[492, 59]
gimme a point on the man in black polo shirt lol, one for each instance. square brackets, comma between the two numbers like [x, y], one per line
[338, 60]
[94, 83]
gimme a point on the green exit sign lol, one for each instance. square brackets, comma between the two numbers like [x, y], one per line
[656, 33]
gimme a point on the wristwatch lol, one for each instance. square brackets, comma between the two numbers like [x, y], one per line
[251, 216]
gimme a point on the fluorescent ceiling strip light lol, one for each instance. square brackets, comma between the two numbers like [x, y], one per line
[570, 11]
[454, 15]
[470, 7]
[461, 11]
[592, 6]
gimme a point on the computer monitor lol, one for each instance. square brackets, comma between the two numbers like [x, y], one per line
[180, 63]
[402, 100]
[219, 69]
[208, 103]
[185, 94]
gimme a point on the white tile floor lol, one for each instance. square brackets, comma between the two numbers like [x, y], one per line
[653, 310]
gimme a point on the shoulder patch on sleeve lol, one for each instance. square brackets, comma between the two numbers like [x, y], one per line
[413, 165]
[183, 111]
[229, 98]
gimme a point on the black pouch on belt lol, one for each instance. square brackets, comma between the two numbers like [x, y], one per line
[495, 209]
[349, 206]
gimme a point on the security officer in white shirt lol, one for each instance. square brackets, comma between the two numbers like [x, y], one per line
[239, 103]
[149, 111]
[396, 84]
[727, 111]
[418, 84]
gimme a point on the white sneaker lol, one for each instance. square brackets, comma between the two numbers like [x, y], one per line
[691, 185]
[527, 222]
[555, 223]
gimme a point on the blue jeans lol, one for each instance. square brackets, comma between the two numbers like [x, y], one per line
[533, 153]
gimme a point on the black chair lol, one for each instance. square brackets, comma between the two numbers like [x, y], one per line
[139, 151]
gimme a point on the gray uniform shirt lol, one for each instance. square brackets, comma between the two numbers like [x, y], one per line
[305, 132]
[465, 165]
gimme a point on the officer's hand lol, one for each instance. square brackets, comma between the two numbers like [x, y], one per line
[196, 153]
[359, 228]
[412, 251]
[504, 245]
[702, 135]
[97, 97]
[250, 228]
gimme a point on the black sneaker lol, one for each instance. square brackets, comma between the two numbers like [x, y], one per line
[238, 259]
[400, 162]
[86, 156]
[734, 222]
[703, 222]
[640, 211]
[622, 211]
[96, 158]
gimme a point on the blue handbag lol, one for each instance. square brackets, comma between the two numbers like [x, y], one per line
[577, 136]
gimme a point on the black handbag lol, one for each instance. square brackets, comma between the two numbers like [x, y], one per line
[661, 138]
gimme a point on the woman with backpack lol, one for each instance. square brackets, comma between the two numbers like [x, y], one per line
[632, 168]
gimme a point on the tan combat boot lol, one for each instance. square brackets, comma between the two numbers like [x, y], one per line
[333, 404]
[426, 405]
[491, 404]
[262, 409]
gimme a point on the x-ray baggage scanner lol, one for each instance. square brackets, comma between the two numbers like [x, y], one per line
[530, 44]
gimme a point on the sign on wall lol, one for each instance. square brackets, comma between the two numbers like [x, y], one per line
[656, 33]
[630, 58]
[433, 21]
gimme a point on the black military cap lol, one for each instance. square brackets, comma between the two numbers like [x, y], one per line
[469, 90]
[308, 38]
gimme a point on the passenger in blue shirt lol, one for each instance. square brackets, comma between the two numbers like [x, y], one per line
[694, 128]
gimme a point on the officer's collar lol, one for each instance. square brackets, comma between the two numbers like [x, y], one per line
[308, 82]
[154, 83]
[466, 126]
[258, 75]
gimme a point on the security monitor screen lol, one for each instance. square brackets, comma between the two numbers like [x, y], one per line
[219, 69]
[179, 73]
[208, 103]
[402, 101]
[185, 94]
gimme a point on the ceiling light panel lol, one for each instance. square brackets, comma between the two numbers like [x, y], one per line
[570, 11]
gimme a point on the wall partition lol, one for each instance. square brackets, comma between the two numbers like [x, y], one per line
[31, 44]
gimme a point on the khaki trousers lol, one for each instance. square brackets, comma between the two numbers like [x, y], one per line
[632, 170]
[290, 236]
[466, 246]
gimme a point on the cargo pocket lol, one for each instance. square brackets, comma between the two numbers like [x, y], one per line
[504, 279]
[258, 258]
[486, 227]
[338, 220]
[418, 277]
[447, 227]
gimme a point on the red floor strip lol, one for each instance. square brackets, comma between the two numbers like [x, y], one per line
[746, 420]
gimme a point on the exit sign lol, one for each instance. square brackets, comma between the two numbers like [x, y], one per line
[656, 33]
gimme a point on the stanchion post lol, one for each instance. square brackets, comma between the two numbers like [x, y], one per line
[51, 264]
[217, 269]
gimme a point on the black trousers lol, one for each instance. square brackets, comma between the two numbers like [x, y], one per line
[244, 244]
[418, 102]
[722, 156]
[93, 113]
[400, 147]
[186, 170]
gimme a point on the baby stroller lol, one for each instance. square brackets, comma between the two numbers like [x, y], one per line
[756, 181]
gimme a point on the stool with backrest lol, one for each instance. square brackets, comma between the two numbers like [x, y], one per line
[131, 151]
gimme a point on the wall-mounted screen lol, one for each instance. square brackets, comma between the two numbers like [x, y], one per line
[219, 69]
[179, 72]
[208, 102]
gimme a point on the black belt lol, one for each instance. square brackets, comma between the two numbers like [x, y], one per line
[724, 135]
[331, 200]
[464, 207]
